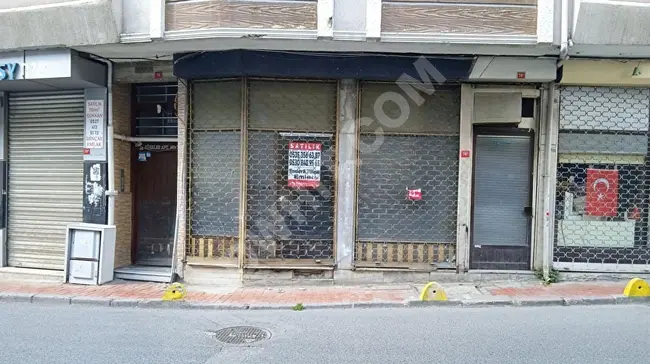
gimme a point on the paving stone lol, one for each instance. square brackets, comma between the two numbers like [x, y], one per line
[16, 297]
[539, 301]
[51, 299]
[90, 301]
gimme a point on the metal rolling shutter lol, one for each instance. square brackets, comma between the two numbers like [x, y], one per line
[45, 175]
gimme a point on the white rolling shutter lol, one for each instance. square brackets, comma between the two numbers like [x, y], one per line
[45, 191]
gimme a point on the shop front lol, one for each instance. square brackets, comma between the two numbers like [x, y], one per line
[53, 151]
[272, 159]
[289, 167]
[602, 186]
[311, 165]
[145, 152]
[407, 196]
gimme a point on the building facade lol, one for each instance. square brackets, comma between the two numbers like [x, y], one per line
[348, 140]
[601, 198]
[601, 210]
[53, 152]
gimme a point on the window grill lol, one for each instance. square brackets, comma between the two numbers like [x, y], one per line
[155, 106]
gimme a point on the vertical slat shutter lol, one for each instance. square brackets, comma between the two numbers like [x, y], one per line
[45, 189]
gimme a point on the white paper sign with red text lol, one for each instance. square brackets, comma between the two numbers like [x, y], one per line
[94, 138]
[304, 164]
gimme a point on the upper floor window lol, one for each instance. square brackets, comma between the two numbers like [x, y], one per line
[155, 109]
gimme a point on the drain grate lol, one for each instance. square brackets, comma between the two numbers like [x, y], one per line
[239, 335]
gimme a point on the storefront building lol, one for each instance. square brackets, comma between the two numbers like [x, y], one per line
[311, 142]
[334, 167]
[602, 192]
[145, 169]
[54, 172]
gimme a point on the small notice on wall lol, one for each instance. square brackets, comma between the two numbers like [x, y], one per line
[304, 164]
[414, 195]
[94, 137]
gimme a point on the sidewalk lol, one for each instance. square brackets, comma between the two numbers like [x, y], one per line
[135, 294]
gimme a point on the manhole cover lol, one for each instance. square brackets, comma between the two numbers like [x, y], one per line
[241, 335]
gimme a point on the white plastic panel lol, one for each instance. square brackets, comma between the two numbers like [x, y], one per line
[82, 272]
[85, 244]
[497, 107]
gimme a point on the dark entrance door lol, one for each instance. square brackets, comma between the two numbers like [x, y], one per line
[155, 206]
[502, 212]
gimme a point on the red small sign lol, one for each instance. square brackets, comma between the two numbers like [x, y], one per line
[521, 75]
[158, 75]
[464, 153]
[86, 151]
[414, 195]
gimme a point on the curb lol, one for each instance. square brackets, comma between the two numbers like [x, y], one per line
[535, 302]
[44, 299]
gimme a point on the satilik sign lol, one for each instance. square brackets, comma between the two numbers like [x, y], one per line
[304, 164]
[8, 71]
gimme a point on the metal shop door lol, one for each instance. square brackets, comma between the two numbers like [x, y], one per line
[290, 174]
[45, 175]
[602, 211]
[407, 199]
[502, 212]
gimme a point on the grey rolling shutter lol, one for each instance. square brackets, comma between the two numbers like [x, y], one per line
[45, 191]
[502, 185]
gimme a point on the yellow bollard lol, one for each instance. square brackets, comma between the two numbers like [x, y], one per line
[432, 291]
[174, 292]
[637, 287]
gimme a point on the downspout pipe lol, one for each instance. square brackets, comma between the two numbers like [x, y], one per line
[564, 30]
[110, 154]
[549, 179]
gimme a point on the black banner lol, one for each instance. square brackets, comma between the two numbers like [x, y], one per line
[95, 187]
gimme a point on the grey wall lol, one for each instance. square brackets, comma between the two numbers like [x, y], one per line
[439, 113]
[52, 23]
[426, 162]
[216, 105]
[305, 106]
[602, 143]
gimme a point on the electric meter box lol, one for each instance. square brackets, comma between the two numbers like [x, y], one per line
[90, 254]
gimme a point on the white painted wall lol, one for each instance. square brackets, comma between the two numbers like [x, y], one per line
[350, 19]
[56, 23]
[135, 17]
[605, 22]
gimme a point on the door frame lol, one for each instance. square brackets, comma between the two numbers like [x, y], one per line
[504, 130]
[133, 161]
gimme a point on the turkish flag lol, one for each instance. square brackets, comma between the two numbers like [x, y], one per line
[602, 192]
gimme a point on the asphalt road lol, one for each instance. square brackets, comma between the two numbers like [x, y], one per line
[53, 334]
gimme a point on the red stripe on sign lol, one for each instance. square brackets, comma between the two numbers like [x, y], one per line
[305, 146]
[303, 183]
